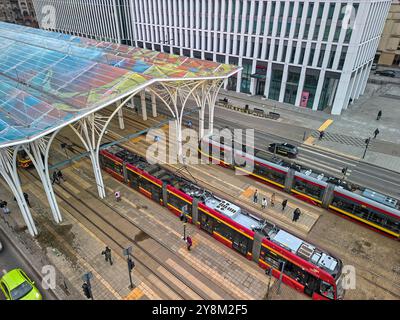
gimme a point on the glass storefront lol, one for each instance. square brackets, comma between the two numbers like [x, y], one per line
[292, 85]
[276, 81]
[310, 86]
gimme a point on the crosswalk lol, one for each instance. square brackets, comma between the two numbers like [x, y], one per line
[341, 138]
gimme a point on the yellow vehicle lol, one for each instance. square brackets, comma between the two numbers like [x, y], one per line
[23, 159]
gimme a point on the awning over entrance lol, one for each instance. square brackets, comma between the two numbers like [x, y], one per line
[259, 76]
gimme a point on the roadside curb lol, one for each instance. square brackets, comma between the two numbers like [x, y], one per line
[18, 246]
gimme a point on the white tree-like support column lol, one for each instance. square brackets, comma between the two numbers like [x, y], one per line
[175, 94]
[206, 94]
[8, 169]
[38, 152]
[214, 88]
[90, 131]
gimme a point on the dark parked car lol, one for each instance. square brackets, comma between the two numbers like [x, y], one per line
[386, 73]
[284, 149]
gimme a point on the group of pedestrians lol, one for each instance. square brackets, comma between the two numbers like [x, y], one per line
[57, 176]
[376, 132]
[264, 204]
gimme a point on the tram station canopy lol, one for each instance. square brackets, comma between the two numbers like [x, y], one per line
[50, 79]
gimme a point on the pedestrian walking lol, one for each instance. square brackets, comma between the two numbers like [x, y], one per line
[264, 203]
[117, 196]
[296, 214]
[60, 176]
[27, 199]
[55, 178]
[273, 199]
[107, 255]
[284, 204]
[255, 196]
[3, 205]
[376, 132]
[379, 115]
[189, 242]
[321, 134]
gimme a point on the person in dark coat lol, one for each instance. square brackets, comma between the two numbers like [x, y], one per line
[321, 134]
[107, 255]
[296, 214]
[284, 204]
[60, 176]
[55, 178]
[27, 199]
[255, 196]
[189, 242]
[376, 132]
[379, 115]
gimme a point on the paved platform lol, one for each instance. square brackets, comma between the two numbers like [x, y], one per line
[240, 189]
[210, 270]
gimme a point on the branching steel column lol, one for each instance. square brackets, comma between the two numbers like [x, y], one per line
[174, 94]
[90, 131]
[215, 86]
[38, 152]
[121, 119]
[8, 169]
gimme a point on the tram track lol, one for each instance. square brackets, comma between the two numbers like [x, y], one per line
[335, 250]
[140, 253]
[380, 281]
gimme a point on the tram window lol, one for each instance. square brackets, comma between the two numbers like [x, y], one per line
[327, 290]
[179, 203]
[295, 272]
[351, 207]
[223, 230]
[269, 173]
[271, 258]
[132, 176]
[308, 189]
[110, 164]
[393, 224]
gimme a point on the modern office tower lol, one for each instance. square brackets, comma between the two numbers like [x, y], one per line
[312, 54]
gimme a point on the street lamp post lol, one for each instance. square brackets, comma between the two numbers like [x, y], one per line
[268, 272]
[281, 276]
[127, 252]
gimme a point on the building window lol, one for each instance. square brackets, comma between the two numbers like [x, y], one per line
[246, 73]
[292, 84]
[310, 85]
[342, 58]
[276, 81]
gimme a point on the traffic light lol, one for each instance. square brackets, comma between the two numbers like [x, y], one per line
[131, 264]
[86, 290]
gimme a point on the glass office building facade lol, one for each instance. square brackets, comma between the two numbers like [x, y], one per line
[312, 54]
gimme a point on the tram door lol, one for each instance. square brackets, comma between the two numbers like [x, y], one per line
[206, 223]
[240, 243]
[156, 193]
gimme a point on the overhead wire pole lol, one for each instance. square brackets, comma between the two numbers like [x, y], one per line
[8, 169]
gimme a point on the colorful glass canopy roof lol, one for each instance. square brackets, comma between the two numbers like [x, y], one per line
[49, 79]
